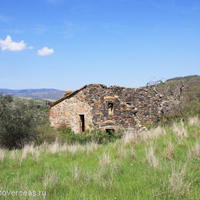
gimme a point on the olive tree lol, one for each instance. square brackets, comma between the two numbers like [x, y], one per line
[18, 122]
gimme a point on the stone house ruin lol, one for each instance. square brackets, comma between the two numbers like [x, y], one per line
[110, 108]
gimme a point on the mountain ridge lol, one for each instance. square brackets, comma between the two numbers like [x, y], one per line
[43, 93]
[191, 84]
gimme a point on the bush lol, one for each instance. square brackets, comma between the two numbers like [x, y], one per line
[46, 133]
[102, 137]
[22, 122]
[186, 110]
[67, 135]
[18, 122]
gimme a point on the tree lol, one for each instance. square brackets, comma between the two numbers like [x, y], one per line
[18, 122]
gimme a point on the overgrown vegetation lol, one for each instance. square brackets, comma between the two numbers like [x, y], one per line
[190, 98]
[184, 111]
[18, 122]
[66, 135]
[26, 122]
[162, 163]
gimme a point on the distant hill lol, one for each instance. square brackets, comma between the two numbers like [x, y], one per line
[191, 85]
[191, 89]
[34, 93]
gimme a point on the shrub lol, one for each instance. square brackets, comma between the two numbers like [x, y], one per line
[46, 134]
[184, 111]
[18, 122]
[65, 134]
[102, 137]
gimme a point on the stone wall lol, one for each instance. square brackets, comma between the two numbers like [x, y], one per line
[67, 113]
[112, 107]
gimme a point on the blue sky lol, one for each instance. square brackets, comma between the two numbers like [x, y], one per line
[66, 44]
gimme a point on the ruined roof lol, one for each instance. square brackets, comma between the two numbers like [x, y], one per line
[75, 92]
[113, 87]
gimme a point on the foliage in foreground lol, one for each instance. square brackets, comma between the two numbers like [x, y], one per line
[184, 111]
[18, 121]
[23, 122]
[162, 163]
[95, 135]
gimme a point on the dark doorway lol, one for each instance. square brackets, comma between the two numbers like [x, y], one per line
[110, 131]
[82, 123]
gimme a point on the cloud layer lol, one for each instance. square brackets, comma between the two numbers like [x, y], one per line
[10, 45]
[45, 51]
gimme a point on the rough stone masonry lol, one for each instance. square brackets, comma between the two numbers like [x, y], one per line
[110, 108]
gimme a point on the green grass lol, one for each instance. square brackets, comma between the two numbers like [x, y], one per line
[163, 163]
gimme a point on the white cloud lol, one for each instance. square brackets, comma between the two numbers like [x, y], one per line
[10, 45]
[45, 51]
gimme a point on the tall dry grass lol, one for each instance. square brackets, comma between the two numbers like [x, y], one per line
[137, 138]
[91, 147]
[50, 179]
[122, 152]
[194, 152]
[109, 168]
[104, 160]
[177, 183]
[129, 138]
[153, 133]
[180, 130]
[28, 149]
[151, 158]
[193, 121]
[2, 155]
[169, 151]
[34, 152]
[80, 176]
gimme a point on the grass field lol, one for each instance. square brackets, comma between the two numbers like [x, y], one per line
[163, 163]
